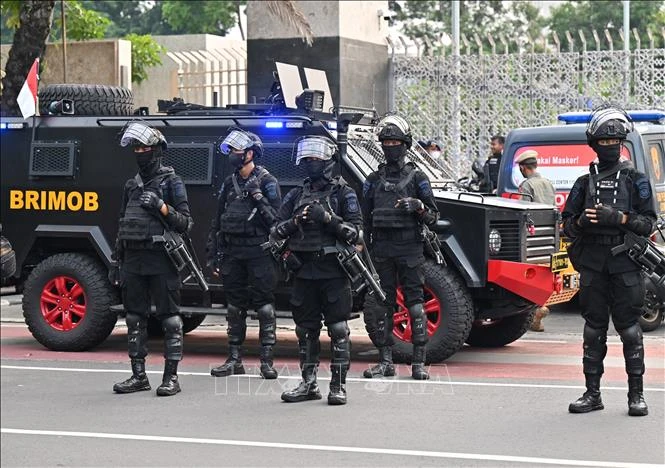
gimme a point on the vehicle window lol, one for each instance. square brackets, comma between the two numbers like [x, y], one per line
[561, 164]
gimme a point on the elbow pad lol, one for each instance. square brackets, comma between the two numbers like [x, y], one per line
[640, 225]
[343, 231]
[286, 228]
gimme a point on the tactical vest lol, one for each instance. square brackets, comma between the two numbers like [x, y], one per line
[138, 225]
[313, 236]
[612, 190]
[241, 224]
[388, 191]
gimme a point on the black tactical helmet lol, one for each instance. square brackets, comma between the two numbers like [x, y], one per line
[137, 133]
[394, 127]
[239, 139]
[608, 123]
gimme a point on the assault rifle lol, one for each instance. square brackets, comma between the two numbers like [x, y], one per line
[647, 256]
[178, 249]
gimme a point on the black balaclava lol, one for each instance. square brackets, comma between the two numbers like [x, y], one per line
[149, 162]
[318, 170]
[608, 155]
[395, 155]
[238, 160]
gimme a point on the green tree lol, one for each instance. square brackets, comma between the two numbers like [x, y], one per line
[201, 17]
[429, 20]
[146, 53]
[82, 24]
[586, 16]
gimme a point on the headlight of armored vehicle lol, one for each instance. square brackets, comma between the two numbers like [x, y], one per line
[495, 242]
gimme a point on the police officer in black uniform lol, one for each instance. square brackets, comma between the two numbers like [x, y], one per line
[397, 201]
[248, 203]
[154, 198]
[612, 198]
[324, 211]
[492, 166]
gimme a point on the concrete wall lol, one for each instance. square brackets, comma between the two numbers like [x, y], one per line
[106, 62]
[349, 45]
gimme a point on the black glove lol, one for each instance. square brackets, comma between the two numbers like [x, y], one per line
[316, 213]
[114, 275]
[150, 201]
[253, 188]
[608, 216]
[410, 205]
[583, 221]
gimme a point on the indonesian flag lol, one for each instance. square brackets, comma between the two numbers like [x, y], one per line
[27, 98]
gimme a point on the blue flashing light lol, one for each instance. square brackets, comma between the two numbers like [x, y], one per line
[636, 116]
[331, 125]
[295, 124]
[3, 125]
[274, 124]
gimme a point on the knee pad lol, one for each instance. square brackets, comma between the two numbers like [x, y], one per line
[266, 313]
[338, 331]
[172, 324]
[418, 324]
[595, 336]
[135, 322]
[235, 313]
[301, 333]
[631, 335]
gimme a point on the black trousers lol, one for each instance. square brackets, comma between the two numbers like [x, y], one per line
[249, 283]
[604, 295]
[314, 300]
[138, 289]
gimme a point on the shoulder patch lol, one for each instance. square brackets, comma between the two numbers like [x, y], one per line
[425, 187]
[271, 190]
[351, 201]
[643, 188]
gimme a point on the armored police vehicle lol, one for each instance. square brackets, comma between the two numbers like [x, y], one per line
[62, 179]
[563, 156]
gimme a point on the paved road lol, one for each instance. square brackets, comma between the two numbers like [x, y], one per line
[500, 407]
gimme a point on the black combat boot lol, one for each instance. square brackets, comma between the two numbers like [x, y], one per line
[337, 393]
[590, 400]
[233, 364]
[170, 385]
[138, 382]
[267, 369]
[385, 367]
[636, 404]
[418, 371]
[308, 389]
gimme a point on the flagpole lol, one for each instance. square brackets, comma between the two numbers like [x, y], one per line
[34, 116]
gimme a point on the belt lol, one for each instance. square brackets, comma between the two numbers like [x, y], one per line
[602, 239]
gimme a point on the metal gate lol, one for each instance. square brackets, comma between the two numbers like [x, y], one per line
[475, 96]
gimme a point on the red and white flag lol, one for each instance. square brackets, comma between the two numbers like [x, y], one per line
[27, 98]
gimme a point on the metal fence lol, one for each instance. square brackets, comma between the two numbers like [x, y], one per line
[462, 101]
[215, 77]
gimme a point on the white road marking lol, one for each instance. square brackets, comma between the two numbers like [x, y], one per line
[333, 448]
[348, 379]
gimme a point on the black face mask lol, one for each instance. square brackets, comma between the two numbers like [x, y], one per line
[607, 155]
[395, 154]
[148, 163]
[317, 169]
[237, 160]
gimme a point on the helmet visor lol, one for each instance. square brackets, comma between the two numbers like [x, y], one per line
[395, 120]
[236, 140]
[314, 147]
[603, 116]
[138, 134]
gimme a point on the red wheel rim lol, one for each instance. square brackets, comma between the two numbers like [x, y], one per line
[402, 320]
[63, 303]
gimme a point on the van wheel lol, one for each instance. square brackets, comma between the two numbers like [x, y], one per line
[66, 303]
[188, 324]
[89, 99]
[500, 332]
[449, 316]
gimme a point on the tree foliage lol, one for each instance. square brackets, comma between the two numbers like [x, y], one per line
[586, 16]
[201, 17]
[146, 53]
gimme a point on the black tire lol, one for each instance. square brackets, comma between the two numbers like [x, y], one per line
[500, 332]
[653, 309]
[7, 260]
[98, 296]
[89, 99]
[455, 322]
[188, 324]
